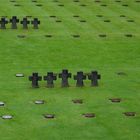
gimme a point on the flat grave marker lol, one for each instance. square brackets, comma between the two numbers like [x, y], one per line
[7, 117]
[89, 115]
[19, 75]
[2, 104]
[49, 116]
[130, 114]
[77, 101]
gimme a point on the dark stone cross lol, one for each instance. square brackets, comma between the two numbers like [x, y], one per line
[35, 23]
[65, 75]
[94, 76]
[50, 78]
[3, 22]
[35, 78]
[14, 22]
[25, 23]
[80, 77]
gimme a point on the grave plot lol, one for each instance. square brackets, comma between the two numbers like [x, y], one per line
[115, 100]
[19, 75]
[49, 116]
[129, 114]
[39, 102]
[2, 104]
[89, 115]
[7, 117]
[21, 36]
[77, 101]
[93, 66]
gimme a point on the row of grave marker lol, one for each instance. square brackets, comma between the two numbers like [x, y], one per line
[14, 20]
[65, 75]
[76, 101]
[98, 1]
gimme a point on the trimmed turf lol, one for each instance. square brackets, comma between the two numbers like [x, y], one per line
[36, 53]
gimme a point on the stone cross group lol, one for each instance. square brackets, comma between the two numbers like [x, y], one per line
[14, 21]
[65, 75]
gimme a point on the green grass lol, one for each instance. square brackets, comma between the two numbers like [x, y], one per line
[35, 53]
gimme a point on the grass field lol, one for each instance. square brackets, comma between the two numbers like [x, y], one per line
[37, 53]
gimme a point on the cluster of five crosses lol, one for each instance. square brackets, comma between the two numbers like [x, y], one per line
[65, 75]
[14, 20]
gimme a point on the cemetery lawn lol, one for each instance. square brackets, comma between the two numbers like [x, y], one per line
[37, 53]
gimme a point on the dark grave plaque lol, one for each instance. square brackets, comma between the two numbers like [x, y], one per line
[77, 101]
[12, 1]
[125, 5]
[50, 79]
[3, 23]
[99, 15]
[122, 73]
[82, 20]
[128, 35]
[52, 16]
[117, 1]
[102, 35]
[104, 5]
[115, 100]
[94, 77]
[58, 21]
[89, 115]
[14, 22]
[130, 20]
[83, 5]
[21, 36]
[35, 78]
[48, 36]
[17, 5]
[76, 1]
[129, 114]
[65, 75]
[76, 36]
[34, 1]
[137, 1]
[55, 1]
[79, 78]
[60, 5]
[122, 16]
[107, 20]
[25, 23]
[35, 23]
[28, 16]
[97, 1]
[39, 5]
[76, 16]
[49, 116]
